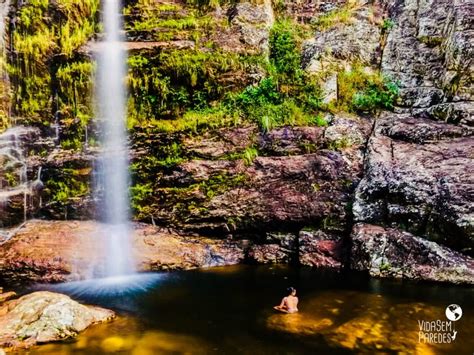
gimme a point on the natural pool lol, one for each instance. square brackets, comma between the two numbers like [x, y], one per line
[229, 311]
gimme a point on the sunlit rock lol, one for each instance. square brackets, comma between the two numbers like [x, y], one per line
[53, 251]
[43, 317]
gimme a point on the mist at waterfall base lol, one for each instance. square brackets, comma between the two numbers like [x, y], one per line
[112, 177]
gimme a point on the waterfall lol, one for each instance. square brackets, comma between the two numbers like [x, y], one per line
[113, 176]
[15, 189]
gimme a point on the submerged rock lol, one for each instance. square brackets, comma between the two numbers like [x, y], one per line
[388, 252]
[363, 323]
[43, 317]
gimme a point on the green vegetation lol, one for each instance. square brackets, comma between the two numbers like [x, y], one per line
[75, 87]
[46, 37]
[70, 185]
[4, 97]
[284, 51]
[173, 156]
[12, 179]
[140, 195]
[147, 19]
[385, 266]
[359, 90]
[375, 96]
[249, 155]
[336, 17]
[183, 200]
[431, 41]
[339, 144]
[189, 89]
[387, 24]
[288, 96]
[218, 184]
[178, 83]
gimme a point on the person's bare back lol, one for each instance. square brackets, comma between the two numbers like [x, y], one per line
[289, 304]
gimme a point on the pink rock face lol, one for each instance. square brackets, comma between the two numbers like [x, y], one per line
[297, 178]
[269, 254]
[319, 249]
[55, 251]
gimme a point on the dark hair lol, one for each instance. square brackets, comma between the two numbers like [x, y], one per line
[291, 289]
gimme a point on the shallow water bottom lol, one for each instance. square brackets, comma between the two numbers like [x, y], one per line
[229, 311]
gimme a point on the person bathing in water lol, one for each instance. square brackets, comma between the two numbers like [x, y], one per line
[289, 304]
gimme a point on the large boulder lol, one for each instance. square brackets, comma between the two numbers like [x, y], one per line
[253, 23]
[347, 33]
[246, 28]
[388, 252]
[42, 317]
[419, 176]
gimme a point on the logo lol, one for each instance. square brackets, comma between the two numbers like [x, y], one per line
[453, 312]
[440, 331]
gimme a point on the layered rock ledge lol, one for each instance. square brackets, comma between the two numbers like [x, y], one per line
[57, 251]
[419, 177]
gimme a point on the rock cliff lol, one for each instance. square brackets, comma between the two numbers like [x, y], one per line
[279, 128]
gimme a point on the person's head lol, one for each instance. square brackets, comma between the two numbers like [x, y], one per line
[291, 291]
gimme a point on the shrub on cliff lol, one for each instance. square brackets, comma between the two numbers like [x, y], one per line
[376, 95]
[360, 90]
[284, 51]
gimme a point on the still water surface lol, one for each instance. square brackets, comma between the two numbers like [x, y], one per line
[229, 311]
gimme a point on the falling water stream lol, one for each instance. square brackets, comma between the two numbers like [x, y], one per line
[113, 175]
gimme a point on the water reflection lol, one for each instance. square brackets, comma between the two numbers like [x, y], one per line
[229, 310]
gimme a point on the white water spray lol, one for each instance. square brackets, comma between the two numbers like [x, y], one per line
[113, 177]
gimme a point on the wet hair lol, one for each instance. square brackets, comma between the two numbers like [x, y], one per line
[291, 289]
